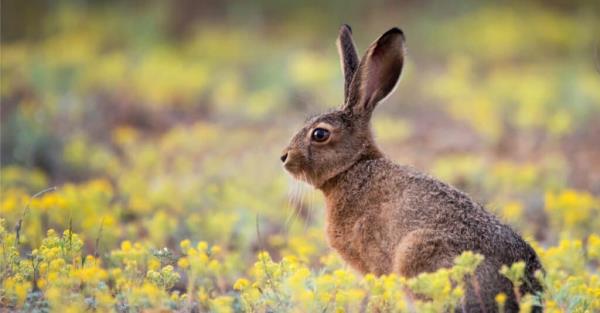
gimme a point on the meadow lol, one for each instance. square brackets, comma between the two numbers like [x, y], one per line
[140, 150]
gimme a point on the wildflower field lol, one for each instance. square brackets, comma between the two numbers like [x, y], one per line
[140, 145]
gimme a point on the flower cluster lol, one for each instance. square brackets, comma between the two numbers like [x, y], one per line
[137, 277]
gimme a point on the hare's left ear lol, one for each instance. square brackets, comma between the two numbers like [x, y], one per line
[348, 57]
[377, 73]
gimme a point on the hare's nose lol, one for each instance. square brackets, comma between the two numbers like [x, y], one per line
[284, 157]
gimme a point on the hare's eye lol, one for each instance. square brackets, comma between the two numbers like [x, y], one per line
[320, 134]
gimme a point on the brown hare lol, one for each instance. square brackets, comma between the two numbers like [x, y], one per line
[387, 218]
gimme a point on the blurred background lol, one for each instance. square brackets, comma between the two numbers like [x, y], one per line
[163, 120]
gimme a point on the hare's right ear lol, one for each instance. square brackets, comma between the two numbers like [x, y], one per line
[348, 57]
[377, 73]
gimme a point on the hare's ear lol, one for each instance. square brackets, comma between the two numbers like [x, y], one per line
[377, 74]
[348, 57]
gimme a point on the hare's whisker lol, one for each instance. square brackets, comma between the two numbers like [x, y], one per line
[308, 210]
[292, 215]
[293, 190]
[293, 204]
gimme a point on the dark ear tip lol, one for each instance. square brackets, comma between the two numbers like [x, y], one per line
[395, 31]
[346, 27]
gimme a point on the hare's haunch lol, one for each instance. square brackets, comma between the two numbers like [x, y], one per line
[386, 218]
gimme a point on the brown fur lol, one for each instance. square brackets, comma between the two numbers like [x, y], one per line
[383, 217]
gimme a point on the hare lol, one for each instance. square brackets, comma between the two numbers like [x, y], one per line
[387, 218]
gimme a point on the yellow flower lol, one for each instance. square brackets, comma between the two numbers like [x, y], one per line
[43, 268]
[572, 211]
[512, 211]
[116, 272]
[191, 252]
[126, 246]
[501, 298]
[154, 264]
[202, 246]
[241, 284]
[216, 249]
[222, 304]
[203, 296]
[183, 263]
[56, 265]
[21, 290]
[53, 295]
[214, 266]
[185, 244]
[593, 246]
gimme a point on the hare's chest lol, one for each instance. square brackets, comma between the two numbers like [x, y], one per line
[361, 242]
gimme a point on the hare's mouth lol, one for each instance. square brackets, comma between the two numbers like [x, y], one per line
[293, 169]
[296, 171]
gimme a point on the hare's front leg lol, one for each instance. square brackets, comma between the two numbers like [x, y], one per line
[375, 248]
[422, 251]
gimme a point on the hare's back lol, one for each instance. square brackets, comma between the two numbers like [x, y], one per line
[422, 201]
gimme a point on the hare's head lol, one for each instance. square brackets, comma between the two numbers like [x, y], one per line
[330, 143]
